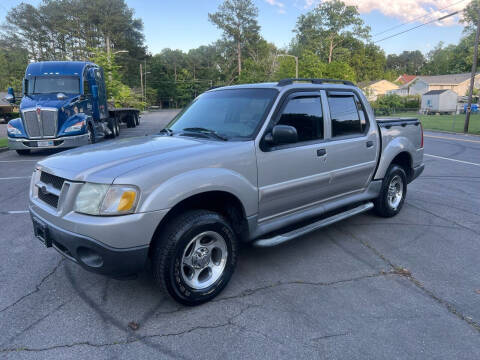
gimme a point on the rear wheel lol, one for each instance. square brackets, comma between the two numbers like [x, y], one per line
[137, 119]
[394, 189]
[23, 152]
[117, 127]
[195, 256]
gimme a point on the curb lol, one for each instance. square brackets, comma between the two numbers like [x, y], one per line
[451, 132]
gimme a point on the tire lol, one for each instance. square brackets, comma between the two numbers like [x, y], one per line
[23, 152]
[111, 127]
[117, 128]
[131, 121]
[137, 119]
[206, 270]
[91, 134]
[392, 196]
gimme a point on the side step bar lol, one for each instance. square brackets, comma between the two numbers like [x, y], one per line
[280, 239]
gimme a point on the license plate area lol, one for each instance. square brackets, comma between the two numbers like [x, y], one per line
[45, 143]
[40, 230]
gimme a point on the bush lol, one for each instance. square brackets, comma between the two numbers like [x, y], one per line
[388, 104]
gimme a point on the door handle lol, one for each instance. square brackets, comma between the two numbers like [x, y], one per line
[321, 152]
[369, 143]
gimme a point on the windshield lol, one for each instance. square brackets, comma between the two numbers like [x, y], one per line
[234, 113]
[53, 84]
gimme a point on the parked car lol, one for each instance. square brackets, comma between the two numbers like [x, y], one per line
[261, 163]
[64, 105]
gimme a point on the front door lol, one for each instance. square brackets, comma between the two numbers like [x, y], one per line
[293, 176]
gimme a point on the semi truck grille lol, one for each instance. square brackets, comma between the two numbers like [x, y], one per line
[40, 125]
[55, 181]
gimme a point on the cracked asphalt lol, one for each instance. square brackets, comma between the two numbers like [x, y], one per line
[365, 288]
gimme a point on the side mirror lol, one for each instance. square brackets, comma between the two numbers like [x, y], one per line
[95, 91]
[282, 134]
[10, 98]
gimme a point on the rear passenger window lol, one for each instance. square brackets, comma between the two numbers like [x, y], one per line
[305, 115]
[347, 120]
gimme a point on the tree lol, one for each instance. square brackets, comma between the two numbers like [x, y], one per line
[238, 20]
[328, 25]
[408, 62]
[340, 70]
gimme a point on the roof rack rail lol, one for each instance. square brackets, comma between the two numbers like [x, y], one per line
[284, 82]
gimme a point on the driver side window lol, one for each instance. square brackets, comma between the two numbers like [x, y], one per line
[304, 113]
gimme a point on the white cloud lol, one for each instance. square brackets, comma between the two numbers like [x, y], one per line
[278, 4]
[406, 10]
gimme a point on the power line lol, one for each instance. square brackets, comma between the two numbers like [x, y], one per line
[418, 26]
[415, 19]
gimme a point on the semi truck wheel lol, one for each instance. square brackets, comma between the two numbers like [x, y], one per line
[117, 127]
[91, 134]
[394, 189]
[23, 152]
[137, 119]
[131, 121]
[194, 257]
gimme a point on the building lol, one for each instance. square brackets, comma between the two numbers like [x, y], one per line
[405, 79]
[373, 89]
[459, 83]
[439, 102]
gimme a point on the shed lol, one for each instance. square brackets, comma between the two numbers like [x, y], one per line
[439, 101]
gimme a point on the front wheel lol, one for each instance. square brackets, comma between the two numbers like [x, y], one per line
[394, 189]
[23, 152]
[195, 256]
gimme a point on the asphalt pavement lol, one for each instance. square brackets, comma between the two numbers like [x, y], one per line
[407, 287]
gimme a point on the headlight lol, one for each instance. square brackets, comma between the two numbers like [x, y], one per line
[99, 199]
[11, 130]
[76, 127]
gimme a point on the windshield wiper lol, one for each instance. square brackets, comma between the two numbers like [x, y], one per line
[204, 131]
[167, 131]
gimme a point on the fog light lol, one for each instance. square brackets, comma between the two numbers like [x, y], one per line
[89, 257]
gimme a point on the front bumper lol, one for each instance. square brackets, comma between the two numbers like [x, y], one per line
[88, 240]
[56, 143]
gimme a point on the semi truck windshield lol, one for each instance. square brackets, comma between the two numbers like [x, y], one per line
[53, 84]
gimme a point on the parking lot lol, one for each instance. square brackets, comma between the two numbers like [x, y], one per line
[367, 287]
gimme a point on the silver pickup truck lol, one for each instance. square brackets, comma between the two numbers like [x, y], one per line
[261, 163]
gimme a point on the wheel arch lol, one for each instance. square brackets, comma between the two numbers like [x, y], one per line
[222, 202]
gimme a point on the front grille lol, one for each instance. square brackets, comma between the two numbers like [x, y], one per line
[45, 127]
[48, 198]
[31, 123]
[55, 181]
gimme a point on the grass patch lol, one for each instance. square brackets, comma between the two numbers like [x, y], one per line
[453, 123]
[3, 142]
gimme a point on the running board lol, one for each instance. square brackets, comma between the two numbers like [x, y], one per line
[279, 239]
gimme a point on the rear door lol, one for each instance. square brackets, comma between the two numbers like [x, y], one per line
[351, 149]
[293, 176]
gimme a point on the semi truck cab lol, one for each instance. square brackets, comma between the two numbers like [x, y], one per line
[64, 105]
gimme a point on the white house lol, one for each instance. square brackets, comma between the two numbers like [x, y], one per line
[439, 101]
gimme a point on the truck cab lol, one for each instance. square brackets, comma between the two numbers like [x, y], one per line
[64, 105]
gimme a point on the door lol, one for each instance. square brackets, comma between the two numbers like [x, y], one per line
[351, 149]
[293, 176]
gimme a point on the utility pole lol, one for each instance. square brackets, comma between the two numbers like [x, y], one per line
[474, 72]
[145, 83]
[141, 82]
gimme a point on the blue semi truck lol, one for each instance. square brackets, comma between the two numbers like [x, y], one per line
[64, 105]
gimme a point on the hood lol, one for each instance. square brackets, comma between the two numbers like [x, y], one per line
[103, 162]
[45, 100]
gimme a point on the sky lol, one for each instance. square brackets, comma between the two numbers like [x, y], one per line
[183, 24]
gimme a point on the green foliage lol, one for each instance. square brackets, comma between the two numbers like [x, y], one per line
[340, 70]
[388, 104]
[119, 93]
[324, 29]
